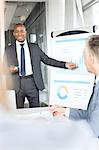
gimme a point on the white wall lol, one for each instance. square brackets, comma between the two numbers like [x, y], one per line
[88, 17]
[73, 14]
[55, 14]
[96, 14]
[55, 18]
[69, 14]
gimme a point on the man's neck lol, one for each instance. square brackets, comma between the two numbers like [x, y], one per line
[18, 42]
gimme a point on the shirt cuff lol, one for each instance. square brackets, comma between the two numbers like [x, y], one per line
[66, 65]
[67, 112]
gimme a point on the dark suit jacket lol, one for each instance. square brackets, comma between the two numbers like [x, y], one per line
[92, 112]
[37, 56]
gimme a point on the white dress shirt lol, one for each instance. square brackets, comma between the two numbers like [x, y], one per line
[97, 79]
[28, 66]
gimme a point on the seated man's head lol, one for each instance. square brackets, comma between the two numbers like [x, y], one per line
[20, 32]
[91, 54]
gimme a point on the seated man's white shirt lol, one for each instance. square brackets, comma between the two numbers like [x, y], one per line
[67, 112]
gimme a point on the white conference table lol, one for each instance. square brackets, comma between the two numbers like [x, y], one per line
[36, 129]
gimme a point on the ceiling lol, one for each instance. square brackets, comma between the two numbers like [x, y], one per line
[16, 12]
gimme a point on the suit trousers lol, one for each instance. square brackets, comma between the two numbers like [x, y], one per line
[29, 90]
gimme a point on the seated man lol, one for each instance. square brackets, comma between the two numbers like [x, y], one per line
[91, 57]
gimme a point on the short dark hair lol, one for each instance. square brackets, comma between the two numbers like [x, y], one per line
[93, 44]
[18, 24]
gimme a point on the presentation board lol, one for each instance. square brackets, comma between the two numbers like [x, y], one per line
[70, 88]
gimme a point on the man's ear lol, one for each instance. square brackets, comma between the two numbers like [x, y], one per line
[13, 33]
[92, 58]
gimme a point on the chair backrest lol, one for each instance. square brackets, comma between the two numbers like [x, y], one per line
[11, 99]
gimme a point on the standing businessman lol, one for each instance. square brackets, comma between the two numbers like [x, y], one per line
[91, 56]
[24, 64]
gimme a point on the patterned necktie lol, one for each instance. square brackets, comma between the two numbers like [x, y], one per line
[22, 60]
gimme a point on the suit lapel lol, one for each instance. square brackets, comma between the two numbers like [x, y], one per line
[93, 99]
[31, 53]
[15, 54]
